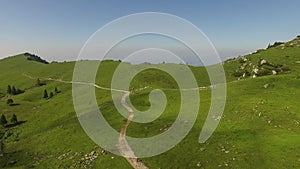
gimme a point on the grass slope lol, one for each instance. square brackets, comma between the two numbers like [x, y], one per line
[259, 128]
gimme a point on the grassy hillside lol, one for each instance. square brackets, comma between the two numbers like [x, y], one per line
[259, 128]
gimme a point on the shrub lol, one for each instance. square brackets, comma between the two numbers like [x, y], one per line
[275, 44]
[14, 119]
[9, 89]
[285, 68]
[51, 95]
[19, 91]
[238, 73]
[9, 101]
[56, 90]
[3, 120]
[40, 83]
[278, 70]
[45, 94]
[242, 60]
[247, 73]
[13, 90]
[264, 72]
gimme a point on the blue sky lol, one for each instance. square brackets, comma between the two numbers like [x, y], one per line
[56, 30]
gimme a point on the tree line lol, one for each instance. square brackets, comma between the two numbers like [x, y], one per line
[35, 58]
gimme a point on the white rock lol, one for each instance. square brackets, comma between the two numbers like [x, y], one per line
[274, 72]
[255, 70]
[266, 86]
[263, 62]
[218, 118]
[202, 149]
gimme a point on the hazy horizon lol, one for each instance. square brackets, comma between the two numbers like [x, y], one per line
[235, 28]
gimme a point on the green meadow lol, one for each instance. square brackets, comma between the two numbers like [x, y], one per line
[260, 126]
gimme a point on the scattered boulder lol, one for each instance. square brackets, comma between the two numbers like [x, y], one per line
[266, 86]
[263, 61]
[255, 70]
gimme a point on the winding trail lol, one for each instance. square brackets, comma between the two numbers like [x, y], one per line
[124, 148]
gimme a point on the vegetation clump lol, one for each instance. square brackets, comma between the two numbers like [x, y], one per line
[51, 94]
[9, 102]
[12, 90]
[35, 58]
[275, 44]
[40, 83]
[45, 94]
[56, 90]
[14, 119]
[3, 120]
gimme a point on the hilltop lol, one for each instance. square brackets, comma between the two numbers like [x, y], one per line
[259, 127]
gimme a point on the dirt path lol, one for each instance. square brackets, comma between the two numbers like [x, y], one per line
[124, 148]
